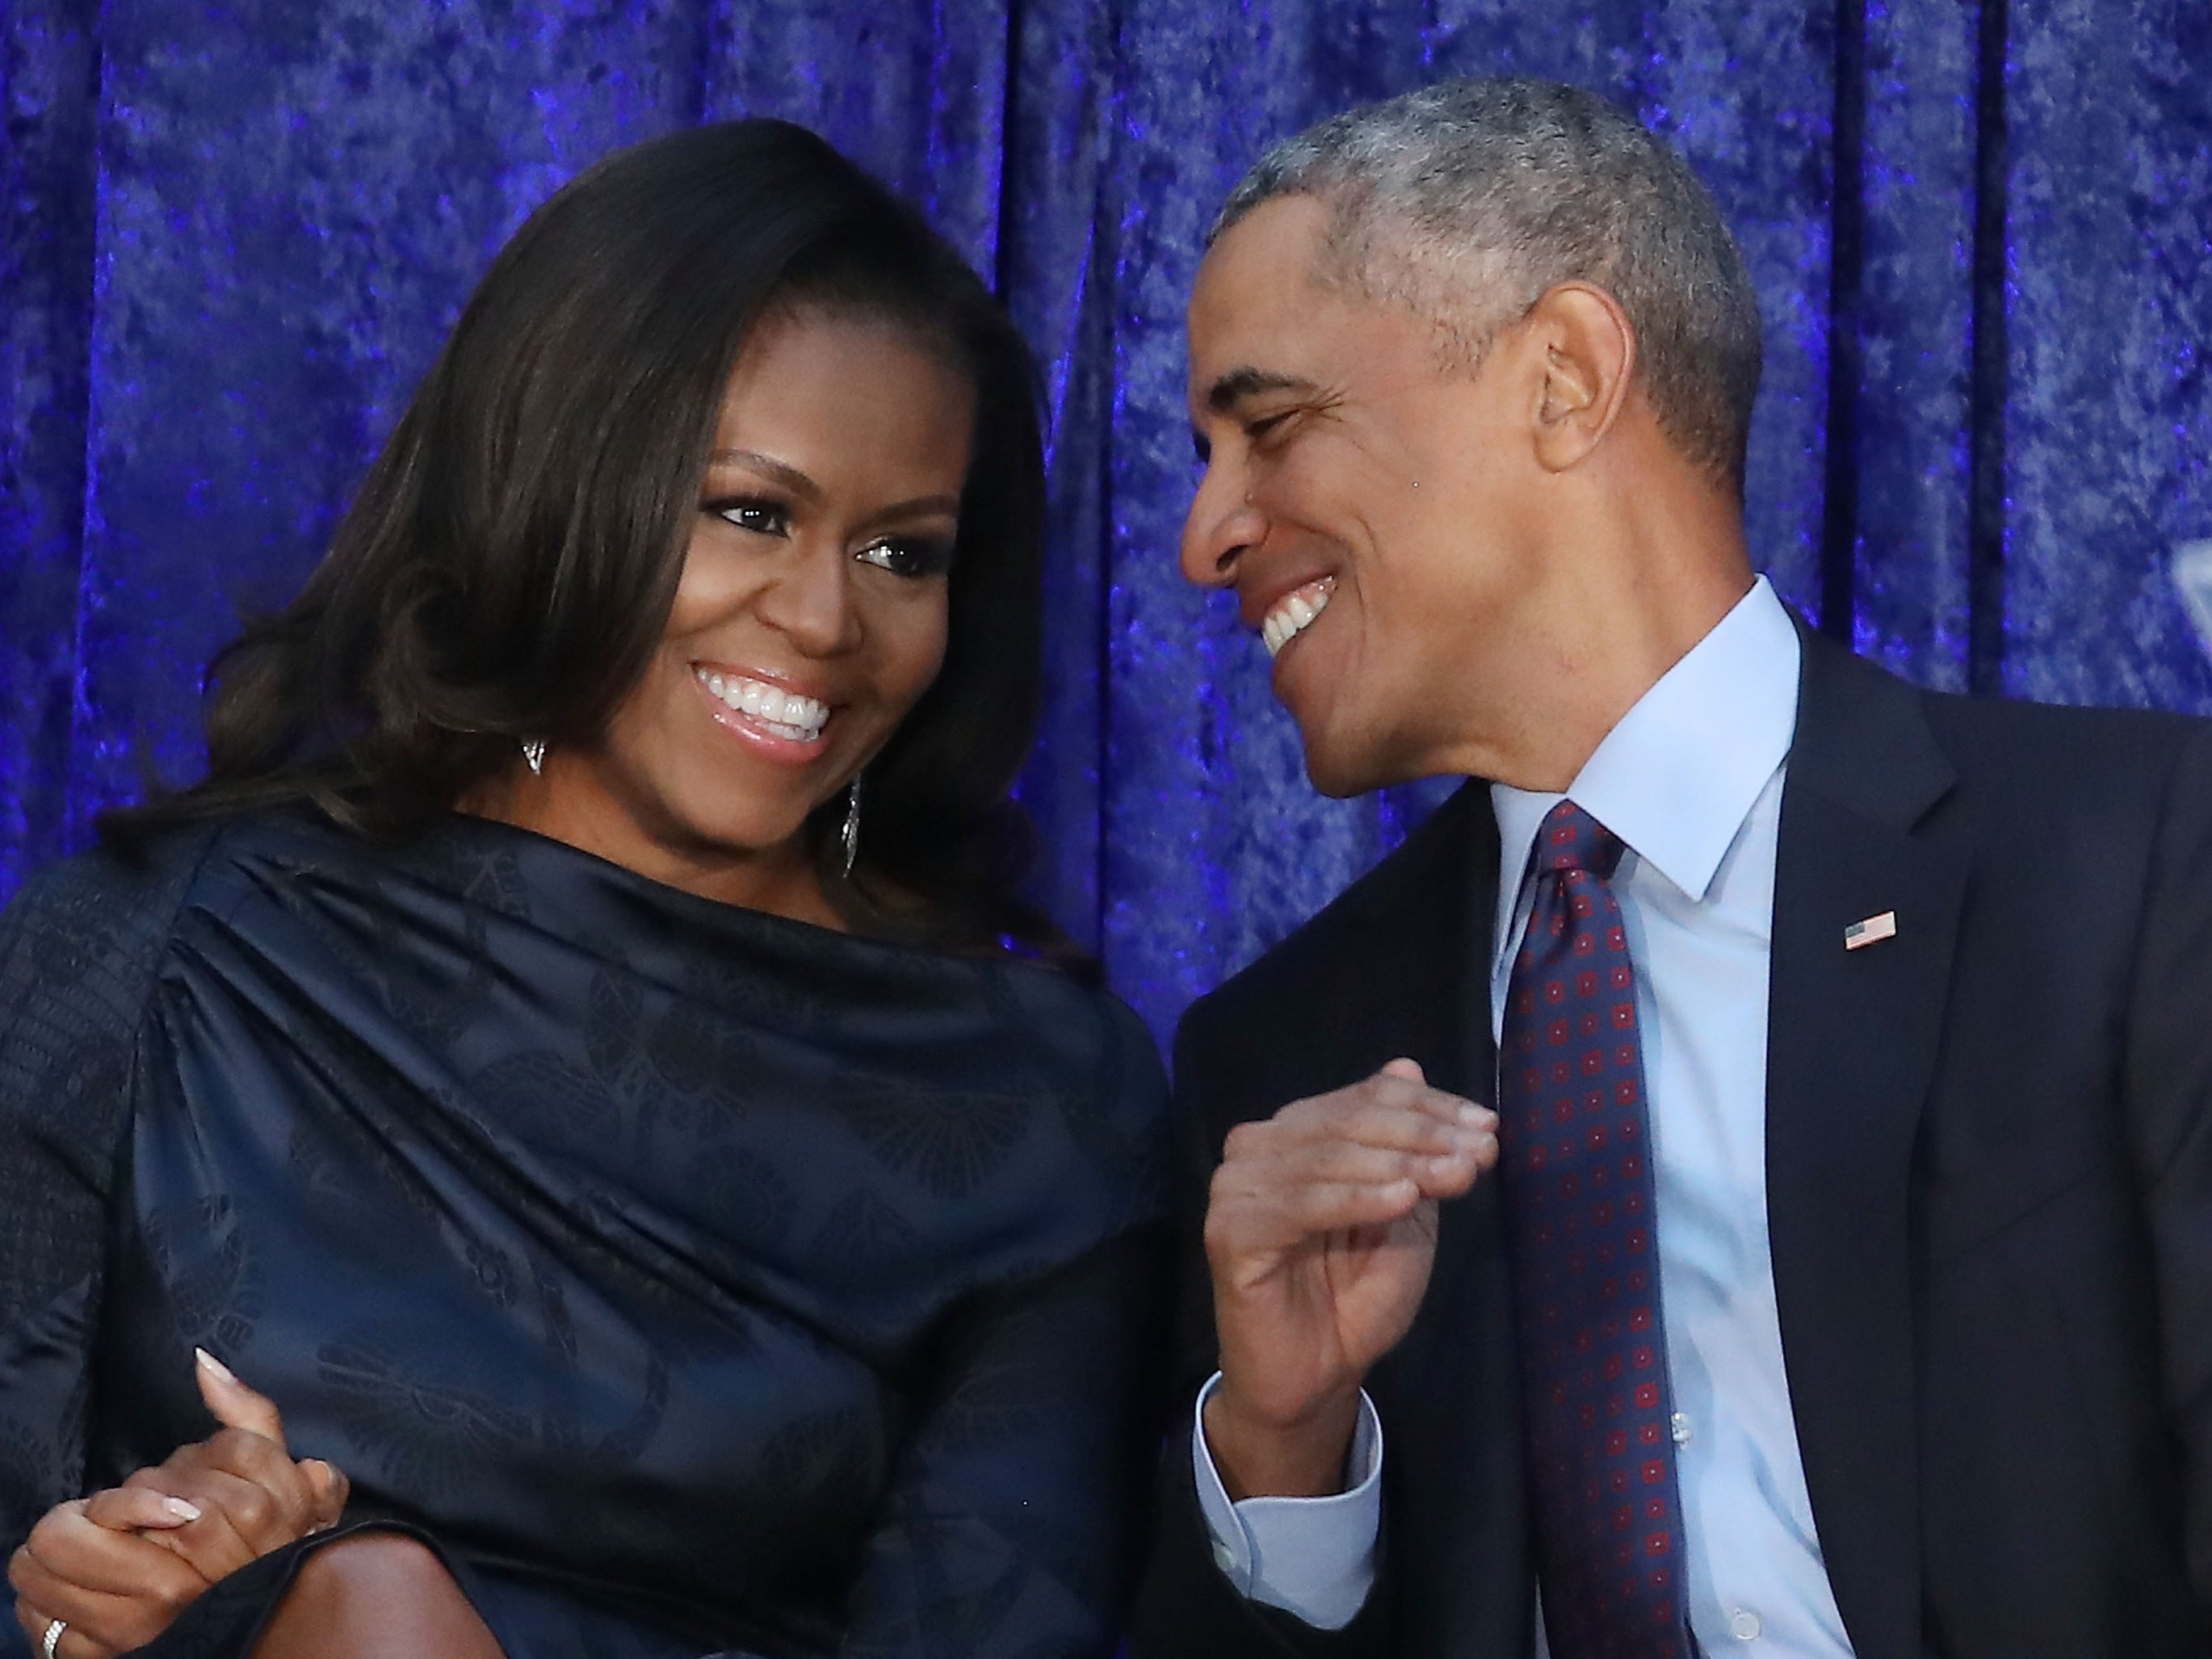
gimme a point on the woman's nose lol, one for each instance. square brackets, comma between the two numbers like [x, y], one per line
[810, 601]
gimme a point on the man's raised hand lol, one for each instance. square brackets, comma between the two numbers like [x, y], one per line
[1320, 1228]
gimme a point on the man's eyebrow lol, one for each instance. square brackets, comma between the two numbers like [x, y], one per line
[768, 466]
[1238, 384]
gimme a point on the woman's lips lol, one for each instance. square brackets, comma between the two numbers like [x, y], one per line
[782, 723]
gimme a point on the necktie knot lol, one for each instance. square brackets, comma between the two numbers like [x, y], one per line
[1573, 839]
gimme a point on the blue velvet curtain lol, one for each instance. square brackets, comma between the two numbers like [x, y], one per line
[231, 235]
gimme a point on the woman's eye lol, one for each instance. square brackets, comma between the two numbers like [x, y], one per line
[1258, 431]
[908, 555]
[761, 518]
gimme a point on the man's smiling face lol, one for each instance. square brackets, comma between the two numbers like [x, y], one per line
[1374, 512]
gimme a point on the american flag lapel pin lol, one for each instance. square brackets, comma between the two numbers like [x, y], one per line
[1872, 931]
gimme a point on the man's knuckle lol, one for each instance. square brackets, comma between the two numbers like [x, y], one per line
[1253, 1137]
[1223, 1188]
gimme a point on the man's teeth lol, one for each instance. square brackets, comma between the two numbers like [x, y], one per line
[1292, 615]
[785, 714]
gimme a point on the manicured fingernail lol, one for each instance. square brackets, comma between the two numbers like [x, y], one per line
[183, 1509]
[215, 1367]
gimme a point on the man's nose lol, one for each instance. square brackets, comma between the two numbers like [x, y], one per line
[810, 601]
[1223, 523]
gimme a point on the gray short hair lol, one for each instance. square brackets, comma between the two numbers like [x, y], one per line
[1470, 199]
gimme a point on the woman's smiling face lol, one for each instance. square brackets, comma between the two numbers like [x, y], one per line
[810, 618]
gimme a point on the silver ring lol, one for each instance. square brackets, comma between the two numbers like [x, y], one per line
[53, 1638]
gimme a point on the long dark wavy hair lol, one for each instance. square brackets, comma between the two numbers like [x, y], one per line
[508, 568]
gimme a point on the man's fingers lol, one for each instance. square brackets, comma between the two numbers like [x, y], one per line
[1349, 1163]
[1328, 1168]
[235, 1405]
[1401, 1085]
[143, 1507]
[1382, 1125]
[1237, 1227]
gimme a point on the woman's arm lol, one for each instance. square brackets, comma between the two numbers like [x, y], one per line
[78, 949]
[1013, 1524]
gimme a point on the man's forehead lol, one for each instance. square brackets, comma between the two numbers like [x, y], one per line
[1272, 254]
[1255, 303]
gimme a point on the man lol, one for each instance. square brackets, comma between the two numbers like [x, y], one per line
[1835, 1276]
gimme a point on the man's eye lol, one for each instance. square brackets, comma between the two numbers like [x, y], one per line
[761, 518]
[909, 556]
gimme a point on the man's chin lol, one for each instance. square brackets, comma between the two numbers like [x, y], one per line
[1340, 769]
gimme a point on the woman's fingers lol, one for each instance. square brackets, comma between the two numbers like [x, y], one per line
[118, 1566]
[116, 1590]
[240, 1519]
[328, 1489]
[235, 1405]
[74, 1643]
[67, 1553]
[139, 1509]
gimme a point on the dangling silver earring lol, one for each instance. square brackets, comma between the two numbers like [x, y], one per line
[533, 755]
[850, 835]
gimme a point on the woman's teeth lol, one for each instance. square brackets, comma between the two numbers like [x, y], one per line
[786, 714]
[1294, 613]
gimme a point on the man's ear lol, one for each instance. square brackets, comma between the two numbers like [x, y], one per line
[1588, 348]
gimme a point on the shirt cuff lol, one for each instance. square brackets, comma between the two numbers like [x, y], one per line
[1312, 1557]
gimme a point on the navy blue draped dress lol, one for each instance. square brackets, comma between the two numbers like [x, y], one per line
[696, 1280]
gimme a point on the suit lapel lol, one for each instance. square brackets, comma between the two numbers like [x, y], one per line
[1415, 971]
[1455, 913]
[1851, 1042]
[1412, 977]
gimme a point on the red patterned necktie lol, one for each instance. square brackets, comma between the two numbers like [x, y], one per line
[1580, 1213]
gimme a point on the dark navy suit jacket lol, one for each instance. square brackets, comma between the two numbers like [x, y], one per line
[1989, 1176]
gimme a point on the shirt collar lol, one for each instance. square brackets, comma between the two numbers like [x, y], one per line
[1680, 773]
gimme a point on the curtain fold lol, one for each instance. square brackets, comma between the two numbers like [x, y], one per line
[231, 236]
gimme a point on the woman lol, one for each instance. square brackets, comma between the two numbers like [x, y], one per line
[579, 1053]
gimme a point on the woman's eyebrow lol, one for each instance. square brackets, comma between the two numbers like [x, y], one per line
[948, 506]
[781, 472]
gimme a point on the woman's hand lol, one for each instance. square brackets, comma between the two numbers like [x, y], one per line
[117, 1568]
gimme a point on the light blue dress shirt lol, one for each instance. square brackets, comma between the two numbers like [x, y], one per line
[1690, 780]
